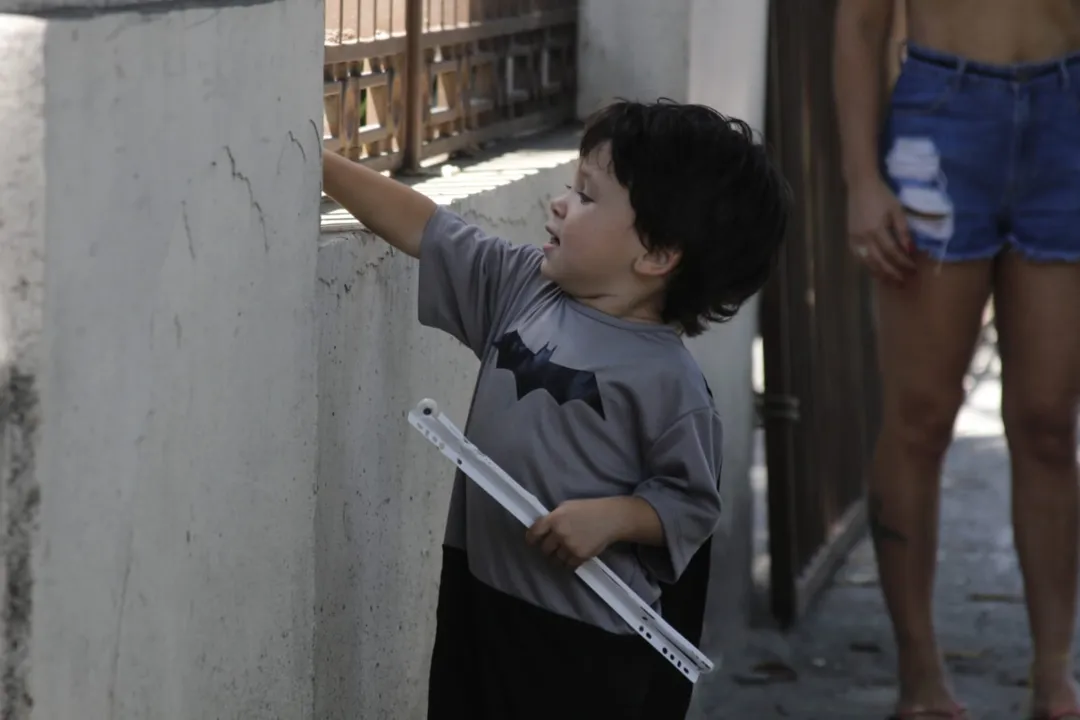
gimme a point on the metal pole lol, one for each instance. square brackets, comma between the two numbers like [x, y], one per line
[414, 90]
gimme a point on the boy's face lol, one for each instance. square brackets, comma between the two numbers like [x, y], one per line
[594, 251]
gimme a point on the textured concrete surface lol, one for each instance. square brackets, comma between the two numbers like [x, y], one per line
[158, 231]
[637, 49]
[701, 51]
[840, 660]
[22, 260]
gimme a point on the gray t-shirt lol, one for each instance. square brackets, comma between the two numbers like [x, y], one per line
[572, 403]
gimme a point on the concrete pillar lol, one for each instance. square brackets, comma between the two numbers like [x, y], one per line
[703, 51]
[159, 179]
[712, 52]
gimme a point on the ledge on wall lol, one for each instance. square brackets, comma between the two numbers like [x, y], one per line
[446, 181]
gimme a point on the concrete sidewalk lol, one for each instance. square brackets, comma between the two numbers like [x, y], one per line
[841, 658]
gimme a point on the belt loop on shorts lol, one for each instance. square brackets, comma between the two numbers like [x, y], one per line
[1066, 78]
[961, 72]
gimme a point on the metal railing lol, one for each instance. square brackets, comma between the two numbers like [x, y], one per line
[405, 80]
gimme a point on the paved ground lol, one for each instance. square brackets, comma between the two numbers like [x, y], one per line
[840, 659]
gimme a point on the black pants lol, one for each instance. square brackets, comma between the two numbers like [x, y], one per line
[683, 606]
[499, 658]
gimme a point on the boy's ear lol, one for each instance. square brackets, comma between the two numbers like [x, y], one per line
[658, 262]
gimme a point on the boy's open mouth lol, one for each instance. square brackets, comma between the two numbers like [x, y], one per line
[552, 237]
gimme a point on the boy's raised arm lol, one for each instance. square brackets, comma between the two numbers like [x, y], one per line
[391, 210]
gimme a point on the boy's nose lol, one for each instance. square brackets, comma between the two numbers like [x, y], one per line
[558, 206]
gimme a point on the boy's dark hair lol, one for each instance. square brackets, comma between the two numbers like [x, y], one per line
[698, 184]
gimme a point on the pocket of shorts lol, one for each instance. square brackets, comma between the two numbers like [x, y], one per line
[922, 93]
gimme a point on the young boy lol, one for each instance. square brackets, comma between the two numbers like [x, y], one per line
[586, 396]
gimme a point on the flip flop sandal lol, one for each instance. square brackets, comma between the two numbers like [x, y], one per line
[1060, 714]
[958, 712]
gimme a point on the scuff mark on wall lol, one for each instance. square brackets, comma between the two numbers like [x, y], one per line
[187, 228]
[114, 663]
[297, 143]
[255, 205]
[19, 416]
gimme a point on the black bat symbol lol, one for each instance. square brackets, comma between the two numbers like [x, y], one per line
[535, 371]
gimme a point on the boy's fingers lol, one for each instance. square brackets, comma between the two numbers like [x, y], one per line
[551, 544]
[539, 529]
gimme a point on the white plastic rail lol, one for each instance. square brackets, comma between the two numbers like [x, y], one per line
[524, 506]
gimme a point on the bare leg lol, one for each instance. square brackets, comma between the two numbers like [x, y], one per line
[1038, 316]
[927, 332]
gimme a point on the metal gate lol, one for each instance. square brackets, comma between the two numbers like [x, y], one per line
[821, 391]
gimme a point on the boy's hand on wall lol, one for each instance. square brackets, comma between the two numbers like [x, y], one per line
[396, 213]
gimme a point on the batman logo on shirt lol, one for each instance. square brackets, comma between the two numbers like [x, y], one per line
[535, 371]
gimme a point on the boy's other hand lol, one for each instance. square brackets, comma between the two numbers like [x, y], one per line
[579, 530]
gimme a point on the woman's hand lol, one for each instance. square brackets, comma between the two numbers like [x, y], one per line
[878, 231]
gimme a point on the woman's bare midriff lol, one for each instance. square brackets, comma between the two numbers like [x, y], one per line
[996, 31]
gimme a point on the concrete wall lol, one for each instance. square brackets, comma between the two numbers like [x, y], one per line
[637, 49]
[164, 164]
[383, 491]
[711, 52]
[728, 58]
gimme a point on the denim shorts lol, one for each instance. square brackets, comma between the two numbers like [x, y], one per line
[984, 157]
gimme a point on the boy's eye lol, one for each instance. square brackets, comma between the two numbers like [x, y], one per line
[585, 199]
